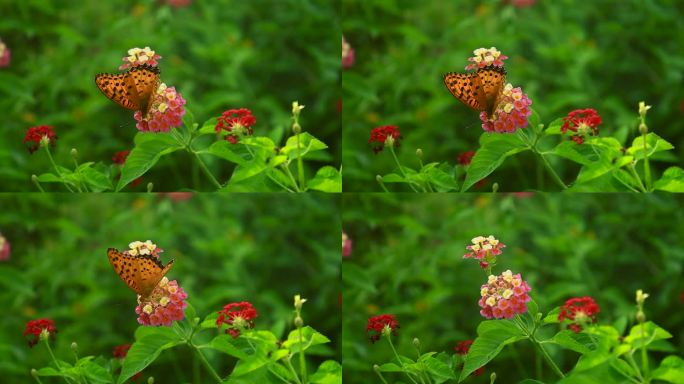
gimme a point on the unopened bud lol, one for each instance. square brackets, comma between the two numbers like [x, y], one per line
[643, 108]
[74, 153]
[376, 368]
[640, 316]
[378, 178]
[150, 380]
[643, 129]
[641, 296]
[296, 128]
[419, 153]
[74, 346]
[298, 322]
[416, 342]
[150, 186]
[34, 372]
[492, 378]
[298, 302]
[495, 187]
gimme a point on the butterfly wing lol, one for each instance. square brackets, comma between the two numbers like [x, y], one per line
[132, 89]
[491, 81]
[144, 80]
[140, 273]
[464, 87]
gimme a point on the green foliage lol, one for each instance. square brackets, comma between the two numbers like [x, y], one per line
[258, 248]
[565, 55]
[219, 55]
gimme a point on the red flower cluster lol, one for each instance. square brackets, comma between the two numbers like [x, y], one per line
[462, 349]
[237, 122]
[120, 157]
[5, 248]
[237, 316]
[580, 311]
[379, 324]
[583, 122]
[35, 327]
[380, 134]
[35, 135]
[346, 245]
[465, 158]
[120, 351]
[347, 54]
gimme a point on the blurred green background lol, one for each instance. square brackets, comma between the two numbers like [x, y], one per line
[407, 260]
[258, 54]
[565, 54]
[258, 248]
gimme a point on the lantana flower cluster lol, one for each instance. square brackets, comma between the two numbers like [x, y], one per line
[346, 245]
[166, 111]
[504, 296]
[139, 248]
[381, 137]
[512, 111]
[381, 325]
[348, 54]
[164, 305]
[139, 56]
[581, 123]
[462, 349]
[40, 135]
[5, 54]
[485, 57]
[484, 249]
[579, 312]
[237, 122]
[5, 248]
[237, 316]
[39, 329]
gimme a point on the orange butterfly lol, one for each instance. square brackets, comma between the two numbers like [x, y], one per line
[132, 89]
[141, 273]
[480, 90]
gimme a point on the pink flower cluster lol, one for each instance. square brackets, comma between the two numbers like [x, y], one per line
[504, 296]
[164, 305]
[348, 54]
[139, 248]
[4, 248]
[346, 245]
[484, 249]
[512, 111]
[165, 112]
[486, 57]
[139, 56]
[5, 55]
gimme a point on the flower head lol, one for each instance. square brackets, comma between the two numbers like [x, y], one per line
[39, 329]
[347, 54]
[387, 135]
[164, 305]
[138, 248]
[486, 57]
[465, 158]
[579, 311]
[504, 296]
[238, 316]
[582, 123]
[42, 135]
[5, 55]
[165, 111]
[120, 351]
[484, 249]
[120, 157]
[237, 122]
[139, 56]
[346, 245]
[381, 325]
[4, 248]
[462, 349]
[512, 111]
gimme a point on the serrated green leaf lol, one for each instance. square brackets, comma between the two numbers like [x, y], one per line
[671, 181]
[307, 143]
[492, 336]
[149, 343]
[578, 342]
[149, 148]
[654, 143]
[671, 369]
[329, 372]
[327, 179]
[494, 149]
[225, 150]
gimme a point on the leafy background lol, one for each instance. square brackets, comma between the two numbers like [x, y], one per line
[261, 55]
[257, 248]
[407, 260]
[566, 55]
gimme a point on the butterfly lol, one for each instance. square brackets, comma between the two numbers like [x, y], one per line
[480, 90]
[132, 89]
[141, 273]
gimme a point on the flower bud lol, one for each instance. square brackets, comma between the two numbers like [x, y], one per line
[641, 296]
[378, 178]
[34, 372]
[74, 346]
[296, 128]
[298, 322]
[640, 316]
[419, 153]
[376, 368]
[149, 187]
[416, 342]
[296, 108]
[643, 108]
[74, 153]
[495, 187]
[643, 129]
[150, 380]
[298, 301]
[492, 378]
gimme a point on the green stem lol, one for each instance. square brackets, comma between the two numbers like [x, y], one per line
[644, 355]
[205, 169]
[300, 168]
[204, 361]
[401, 363]
[382, 185]
[54, 360]
[647, 168]
[289, 174]
[52, 161]
[380, 375]
[636, 176]
[302, 360]
[273, 179]
[292, 370]
[548, 359]
[632, 362]
[38, 378]
[35, 181]
[551, 171]
[401, 169]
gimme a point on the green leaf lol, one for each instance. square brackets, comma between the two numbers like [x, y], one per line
[149, 148]
[209, 321]
[492, 336]
[646, 333]
[248, 169]
[307, 143]
[671, 181]
[209, 126]
[671, 369]
[149, 343]
[390, 367]
[310, 337]
[224, 343]
[49, 178]
[654, 143]
[554, 128]
[96, 180]
[578, 342]
[438, 177]
[494, 149]
[249, 364]
[570, 151]
[329, 372]
[95, 372]
[327, 179]
[438, 370]
[225, 150]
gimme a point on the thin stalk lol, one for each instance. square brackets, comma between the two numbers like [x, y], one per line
[52, 161]
[35, 181]
[401, 169]
[380, 375]
[644, 355]
[292, 370]
[54, 360]
[401, 363]
[635, 366]
[553, 173]
[289, 174]
[40, 382]
[273, 179]
[647, 168]
[382, 185]
[206, 364]
[205, 169]
[548, 359]
[300, 168]
[302, 360]
[636, 176]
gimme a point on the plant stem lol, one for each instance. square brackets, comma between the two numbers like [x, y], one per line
[401, 363]
[548, 359]
[292, 370]
[401, 169]
[302, 359]
[34, 178]
[54, 360]
[551, 171]
[205, 169]
[647, 168]
[636, 176]
[52, 161]
[381, 378]
[289, 174]
[300, 170]
[644, 355]
[204, 361]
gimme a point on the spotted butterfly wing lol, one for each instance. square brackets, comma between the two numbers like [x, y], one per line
[132, 89]
[141, 273]
[480, 90]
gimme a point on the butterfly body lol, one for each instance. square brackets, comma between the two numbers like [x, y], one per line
[141, 273]
[480, 90]
[132, 89]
